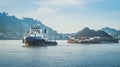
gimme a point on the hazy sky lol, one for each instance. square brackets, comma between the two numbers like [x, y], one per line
[67, 16]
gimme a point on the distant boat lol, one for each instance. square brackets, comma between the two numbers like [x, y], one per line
[90, 36]
[37, 37]
[87, 40]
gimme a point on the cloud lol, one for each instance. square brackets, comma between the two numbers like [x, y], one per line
[52, 13]
[60, 3]
[47, 10]
[57, 5]
[53, 6]
[7, 2]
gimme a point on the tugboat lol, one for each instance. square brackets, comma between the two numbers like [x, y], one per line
[37, 37]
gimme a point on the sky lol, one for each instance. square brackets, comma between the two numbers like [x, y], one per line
[67, 16]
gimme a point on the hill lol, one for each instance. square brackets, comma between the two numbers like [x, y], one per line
[111, 31]
[12, 27]
[86, 32]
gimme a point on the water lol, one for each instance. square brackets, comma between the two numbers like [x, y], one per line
[12, 54]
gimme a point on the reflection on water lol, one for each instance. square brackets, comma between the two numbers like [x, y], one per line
[12, 54]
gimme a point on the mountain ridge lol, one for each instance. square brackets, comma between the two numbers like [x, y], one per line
[12, 27]
[111, 31]
[86, 32]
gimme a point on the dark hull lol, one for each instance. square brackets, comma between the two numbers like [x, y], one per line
[33, 41]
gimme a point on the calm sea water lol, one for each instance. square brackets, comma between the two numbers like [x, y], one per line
[12, 54]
